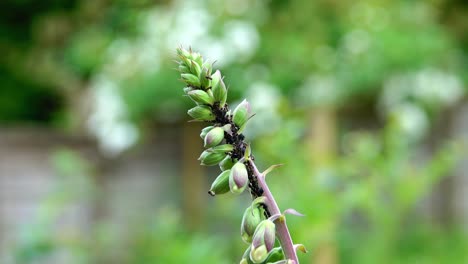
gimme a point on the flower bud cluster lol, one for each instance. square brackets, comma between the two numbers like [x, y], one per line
[222, 139]
[225, 147]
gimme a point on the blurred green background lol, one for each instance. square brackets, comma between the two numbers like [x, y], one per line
[365, 102]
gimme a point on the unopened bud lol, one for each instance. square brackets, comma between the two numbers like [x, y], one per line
[246, 257]
[259, 254]
[201, 113]
[188, 89]
[276, 254]
[197, 57]
[204, 81]
[220, 184]
[201, 97]
[222, 148]
[219, 89]
[263, 241]
[190, 79]
[183, 69]
[182, 52]
[238, 179]
[253, 215]
[205, 131]
[214, 137]
[209, 158]
[195, 68]
[241, 113]
[226, 163]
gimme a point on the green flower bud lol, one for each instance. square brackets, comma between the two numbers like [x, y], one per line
[200, 97]
[188, 89]
[210, 158]
[197, 58]
[205, 82]
[201, 113]
[276, 254]
[215, 78]
[241, 113]
[259, 254]
[238, 179]
[219, 89]
[246, 257]
[190, 79]
[226, 163]
[183, 68]
[182, 52]
[263, 241]
[196, 69]
[220, 184]
[205, 131]
[214, 137]
[253, 215]
[222, 148]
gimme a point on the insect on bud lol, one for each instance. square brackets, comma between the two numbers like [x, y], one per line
[253, 215]
[214, 137]
[263, 241]
[219, 89]
[201, 113]
[241, 113]
[220, 184]
[201, 97]
[226, 163]
[190, 79]
[210, 158]
[238, 179]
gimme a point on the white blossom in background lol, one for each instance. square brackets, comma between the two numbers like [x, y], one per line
[402, 92]
[264, 100]
[318, 90]
[356, 41]
[438, 87]
[430, 86]
[411, 120]
[186, 23]
[108, 122]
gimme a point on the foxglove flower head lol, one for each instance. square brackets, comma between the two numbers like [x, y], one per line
[235, 160]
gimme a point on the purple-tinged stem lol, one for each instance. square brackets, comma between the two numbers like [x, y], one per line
[282, 231]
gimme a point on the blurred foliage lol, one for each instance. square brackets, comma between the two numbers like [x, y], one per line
[358, 45]
[369, 192]
[400, 63]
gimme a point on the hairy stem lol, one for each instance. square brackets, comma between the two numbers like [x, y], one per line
[281, 227]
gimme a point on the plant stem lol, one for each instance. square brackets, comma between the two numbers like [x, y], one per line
[282, 230]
